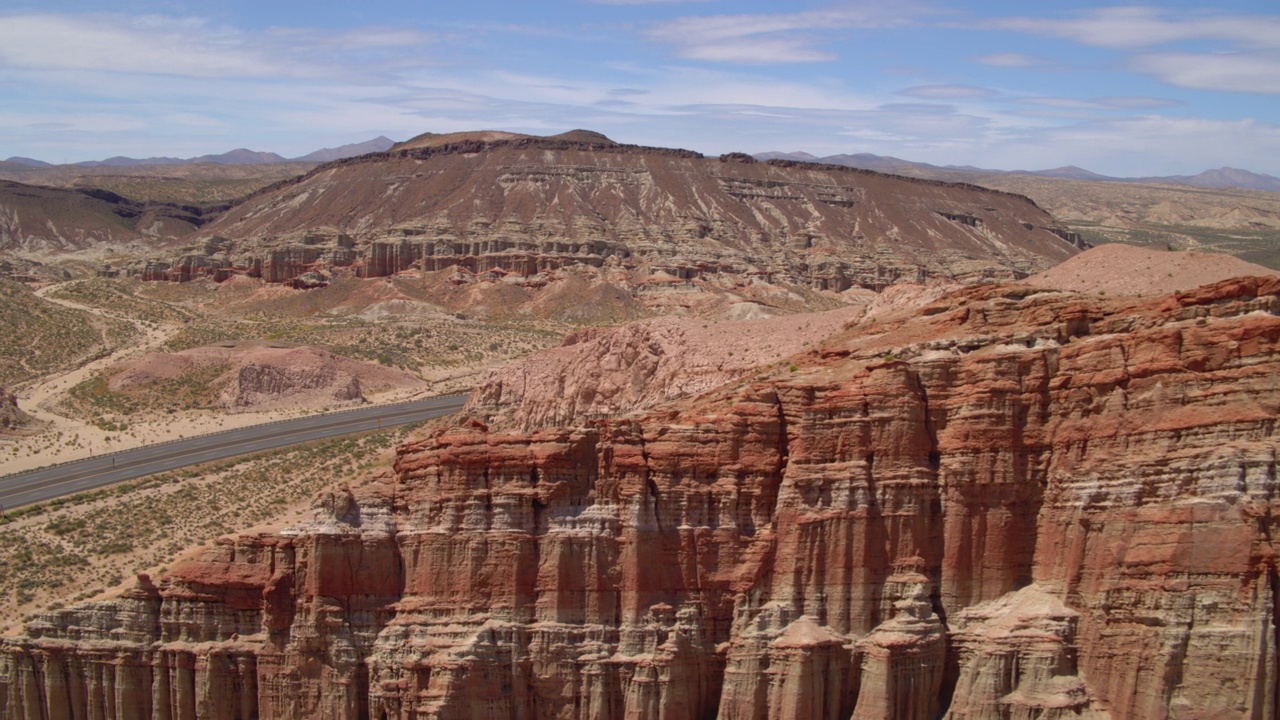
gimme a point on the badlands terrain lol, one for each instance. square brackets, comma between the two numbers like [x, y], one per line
[1226, 210]
[747, 439]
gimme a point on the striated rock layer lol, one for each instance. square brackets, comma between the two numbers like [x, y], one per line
[1005, 503]
[525, 206]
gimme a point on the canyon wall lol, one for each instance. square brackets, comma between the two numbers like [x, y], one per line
[1005, 502]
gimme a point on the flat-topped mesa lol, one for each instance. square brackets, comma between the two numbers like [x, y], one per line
[520, 204]
[1002, 501]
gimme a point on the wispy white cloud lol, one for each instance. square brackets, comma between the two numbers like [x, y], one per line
[189, 47]
[1141, 26]
[948, 92]
[143, 45]
[1012, 60]
[777, 37]
[761, 51]
[1247, 72]
[1243, 54]
[1119, 103]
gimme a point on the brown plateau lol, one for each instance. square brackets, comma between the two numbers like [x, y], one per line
[498, 203]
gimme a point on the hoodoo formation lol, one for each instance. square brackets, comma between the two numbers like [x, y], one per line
[519, 205]
[997, 502]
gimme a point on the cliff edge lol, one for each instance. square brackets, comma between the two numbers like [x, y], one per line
[1003, 502]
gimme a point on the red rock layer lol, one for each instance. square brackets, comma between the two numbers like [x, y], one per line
[1009, 503]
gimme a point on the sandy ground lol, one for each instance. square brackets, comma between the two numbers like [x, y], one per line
[65, 438]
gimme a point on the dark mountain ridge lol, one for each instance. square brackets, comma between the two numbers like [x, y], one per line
[239, 156]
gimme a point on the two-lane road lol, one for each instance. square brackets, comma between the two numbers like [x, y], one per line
[51, 482]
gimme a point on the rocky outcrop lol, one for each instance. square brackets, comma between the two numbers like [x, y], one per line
[12, 420]
[1006, 502]
[599, 372]
[1016, 657]
[525, 206]
[256, 383]
[250, 374]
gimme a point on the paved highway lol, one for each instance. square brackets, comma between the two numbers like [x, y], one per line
[73, 477]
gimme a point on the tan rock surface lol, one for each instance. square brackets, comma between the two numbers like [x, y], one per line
[1005, 502]
[614, 371]
[1121, 269]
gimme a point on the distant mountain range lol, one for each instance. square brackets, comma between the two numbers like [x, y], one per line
[240, 156]
[1225, 177]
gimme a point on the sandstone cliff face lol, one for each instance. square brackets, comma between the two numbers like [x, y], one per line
[1007, 503]
[525, 206]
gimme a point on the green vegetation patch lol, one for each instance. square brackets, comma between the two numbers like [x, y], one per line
[39, 336]
[407, 344]
[196, 389]
[118, 297]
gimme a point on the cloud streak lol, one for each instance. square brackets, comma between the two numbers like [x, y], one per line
[1012, 60]
[948, 92]
[1140, 26]
[773, 38]
[1252, 72]
[187, 47]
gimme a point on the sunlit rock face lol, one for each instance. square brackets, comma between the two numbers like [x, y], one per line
[1003, 503]
[522, 207]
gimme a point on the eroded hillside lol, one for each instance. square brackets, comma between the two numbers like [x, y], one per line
[1000, 500]
[525, 206]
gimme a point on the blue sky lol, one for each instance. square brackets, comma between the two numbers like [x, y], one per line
[1155, 89]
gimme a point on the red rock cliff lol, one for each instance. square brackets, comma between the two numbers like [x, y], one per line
[1010, 503]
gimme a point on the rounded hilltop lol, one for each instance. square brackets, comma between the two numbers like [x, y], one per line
[1122, 269]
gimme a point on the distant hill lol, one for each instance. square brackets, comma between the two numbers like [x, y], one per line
[1222, 178]
[378, 144]
[28, 162]
[1069, 172]
[239, 156]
